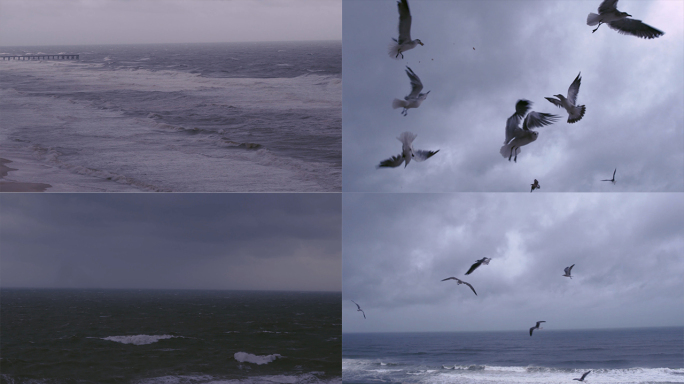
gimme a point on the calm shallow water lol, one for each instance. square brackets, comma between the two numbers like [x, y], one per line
[646, 355]
[148, 336]
[180, 117]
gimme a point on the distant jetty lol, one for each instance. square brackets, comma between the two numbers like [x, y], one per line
[39, 57]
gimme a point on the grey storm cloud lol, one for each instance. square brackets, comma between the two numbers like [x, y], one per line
[213, 241]
[626, 249]
[73, 22]
[479, 58]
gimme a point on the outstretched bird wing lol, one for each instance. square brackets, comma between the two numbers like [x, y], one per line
[474, 266]
[607, 6]
[357, 306]
[421, 155]
[392, 162]
[521, 108]
[573, 90]
[416, 84]
[471, 287]
[636, 28]
[614, 173]
[452, 278]
[538, 119]
[404, 22]
[532, 329]
[585, 374]
[555, 102]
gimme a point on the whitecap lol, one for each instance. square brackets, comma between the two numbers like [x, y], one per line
[138, 339]
[245, 357]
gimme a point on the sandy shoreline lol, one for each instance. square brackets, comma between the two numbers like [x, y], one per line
[15, 186]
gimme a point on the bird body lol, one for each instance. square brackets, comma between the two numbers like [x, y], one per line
[407, 152]
[459, 281]
[583, 376]
[359, 309]
[404, 42]
[619, 21]
[517, 137]
[413, 99]
[536, 326]
[567, 271]
[575, 112]
[484, 260]
[535, 185]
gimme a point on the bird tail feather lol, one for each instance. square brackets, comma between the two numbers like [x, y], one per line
[393, 50]
[577, 114]
[593, 19]
[397, 103]
[406, 139]
[505, 151]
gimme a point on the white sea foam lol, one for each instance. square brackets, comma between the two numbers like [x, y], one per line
[245, 357]
[306, 378]
[138, 339]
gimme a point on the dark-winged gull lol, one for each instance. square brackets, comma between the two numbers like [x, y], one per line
[567, 271]
[608, 14]
[404, 43]
[359, 309]
[459, 281]
[484, 260]
[575, 112]
[407, 152]
[537, 326]
[516, 137]
[583, 376]
[535, 185]
[613, 179]
[413, 99]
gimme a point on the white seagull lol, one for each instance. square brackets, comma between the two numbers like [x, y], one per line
[359, 309]
[608, 14]
[404, 43]
[459, 281]
[407, 152]
[613, 179]
[567, 271]
[516, 137]
[413, 99]
[575, 112]
[484, 260]
[537, 326]
[583, 376]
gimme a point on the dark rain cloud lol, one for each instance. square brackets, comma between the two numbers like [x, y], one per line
[632, 89]
[627, 249]
[289, 241]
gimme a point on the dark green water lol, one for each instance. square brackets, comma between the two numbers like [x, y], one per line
[58, 336]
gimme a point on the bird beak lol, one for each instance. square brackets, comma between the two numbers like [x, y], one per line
[421, 43]
[428, 92]
[629, 15]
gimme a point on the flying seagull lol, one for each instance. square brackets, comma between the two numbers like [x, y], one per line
[413, 99]
[608, 14]
[583, 376]
[535, 185]
[516, 137]
[484, 260]
[613, 179]
[459, 281]
[404, 43]
[407, 152]
[575, 112]
[536, 326]
[567, 271]
[359, 309]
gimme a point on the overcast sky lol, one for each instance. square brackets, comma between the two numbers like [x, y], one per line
[627, 249]
[184, 241]
[74, 22]
[632, 89]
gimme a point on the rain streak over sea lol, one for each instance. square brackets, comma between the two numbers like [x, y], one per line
[228, 117]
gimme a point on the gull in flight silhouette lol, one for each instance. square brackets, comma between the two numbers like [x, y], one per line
[404, 43]
[608, 14]
[535, 185]
[413, 99]
[484, 260]
[359, 309]
[575, 112]
[459, 281]
[613, 179]
[516, 137]
[567, 271]
[407, 152]
[537, 326]
[583, 376]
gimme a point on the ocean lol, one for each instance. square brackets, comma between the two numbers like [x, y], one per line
[222, 117]
[169, 336]
[626, 356]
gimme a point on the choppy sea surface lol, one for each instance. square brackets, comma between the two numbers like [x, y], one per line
[247, 117]
[166, 336]
[626, 356]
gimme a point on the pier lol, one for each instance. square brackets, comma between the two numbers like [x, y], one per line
[40, 57]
